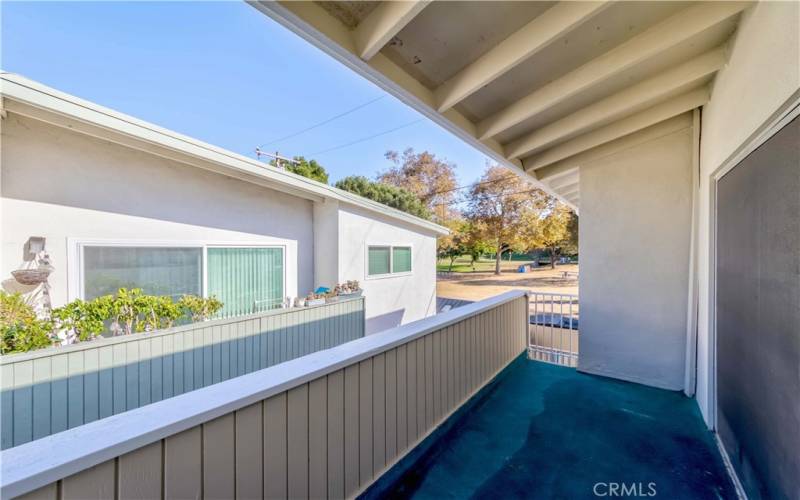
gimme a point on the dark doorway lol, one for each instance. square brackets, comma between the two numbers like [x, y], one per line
[758, 316]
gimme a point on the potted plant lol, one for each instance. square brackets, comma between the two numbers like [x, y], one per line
[350, 288]
[315, 299]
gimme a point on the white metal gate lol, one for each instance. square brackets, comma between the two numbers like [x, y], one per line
[553, 329]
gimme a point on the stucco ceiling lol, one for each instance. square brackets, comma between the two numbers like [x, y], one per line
[529, 82]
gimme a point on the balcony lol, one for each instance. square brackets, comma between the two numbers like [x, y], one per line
[546, 431]
[446, 406]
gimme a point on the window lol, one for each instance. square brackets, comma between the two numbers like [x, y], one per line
[387, 260]
[245, 279]
[156, 270]
[379, 258]
[401, 259]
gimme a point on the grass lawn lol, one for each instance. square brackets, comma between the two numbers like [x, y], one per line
[463, 264]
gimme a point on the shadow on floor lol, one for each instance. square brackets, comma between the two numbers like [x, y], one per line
[544, 431]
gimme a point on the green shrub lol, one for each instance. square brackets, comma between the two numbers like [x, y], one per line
[21, 330]
[200, 308]
[84, 320]
[129, 311]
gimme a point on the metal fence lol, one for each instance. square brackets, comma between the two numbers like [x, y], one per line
[553, 330]
[51, 390]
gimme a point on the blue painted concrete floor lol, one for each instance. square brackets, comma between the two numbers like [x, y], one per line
[545, 431]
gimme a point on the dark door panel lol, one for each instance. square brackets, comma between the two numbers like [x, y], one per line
[758, 316]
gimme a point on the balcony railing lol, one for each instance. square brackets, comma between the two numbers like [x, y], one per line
[324, 425]
[553, 333]
[51, 390]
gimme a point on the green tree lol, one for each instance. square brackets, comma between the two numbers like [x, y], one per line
[306, 168]
[452, 246]
[391, 196]
[547, 229]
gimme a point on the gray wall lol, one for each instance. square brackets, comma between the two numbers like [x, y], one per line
[634, 244]
[758, 316]
[330, 436]
[52, 390]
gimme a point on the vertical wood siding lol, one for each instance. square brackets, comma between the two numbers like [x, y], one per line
[57, 389]
[330, 437]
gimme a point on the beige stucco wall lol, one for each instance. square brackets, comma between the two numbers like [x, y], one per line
[61, 185]
[395, 299]
[635, 238]
[762, 73]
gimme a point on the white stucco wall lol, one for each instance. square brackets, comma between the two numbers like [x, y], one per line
[60, 184]
[391, 300]
[634, 245]
[762, 73]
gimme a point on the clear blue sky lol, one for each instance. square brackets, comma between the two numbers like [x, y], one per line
[221, 72]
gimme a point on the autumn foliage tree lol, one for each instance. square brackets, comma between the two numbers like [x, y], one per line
[431, 179]
[549, 228]
[497, 204]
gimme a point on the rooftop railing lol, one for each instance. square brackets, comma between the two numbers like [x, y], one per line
[323, 425]
[553, 334]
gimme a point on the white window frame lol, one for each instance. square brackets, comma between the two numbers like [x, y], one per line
[75, 260]
[390, 274]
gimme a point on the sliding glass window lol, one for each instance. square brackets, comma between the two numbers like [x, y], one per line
[246, 280]
[156, 270]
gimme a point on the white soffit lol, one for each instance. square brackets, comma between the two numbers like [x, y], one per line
[528, 82]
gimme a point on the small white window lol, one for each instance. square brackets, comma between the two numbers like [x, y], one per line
[383, 260]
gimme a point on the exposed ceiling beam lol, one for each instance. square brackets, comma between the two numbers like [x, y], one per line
[556, 171]
[565, 182]
[568, 189]
[570, 194]
[621, 128]
[520, 45]
[650, 43]
[382, 24]
[619, 104]
[566, 171]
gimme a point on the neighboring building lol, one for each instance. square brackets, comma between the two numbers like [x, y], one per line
[122, 202]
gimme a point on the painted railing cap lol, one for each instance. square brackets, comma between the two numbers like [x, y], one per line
[32, 465]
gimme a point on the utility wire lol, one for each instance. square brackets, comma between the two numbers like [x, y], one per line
[364, 139]
[323, 122]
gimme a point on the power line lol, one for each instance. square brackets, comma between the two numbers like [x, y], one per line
[364, 139]
[323, 122]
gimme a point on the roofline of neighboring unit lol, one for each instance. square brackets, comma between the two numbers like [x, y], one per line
[17, 88]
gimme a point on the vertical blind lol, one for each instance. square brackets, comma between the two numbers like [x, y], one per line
[378, 260]
[246, 280]
[156, 270]
[401, 259]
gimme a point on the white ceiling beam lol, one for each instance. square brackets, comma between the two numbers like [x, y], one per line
[382, 24]
[565, 182]
[519, 46]
[620, 104]
[553, 175]
[621, 128]
[570, 194]
[568, 189]
[650, 43]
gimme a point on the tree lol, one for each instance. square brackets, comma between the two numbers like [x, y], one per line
[475, 243]
[310, 169]
[547, 229]
[497, 203]
[451, 246]
[391, 196]
[431, 179]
